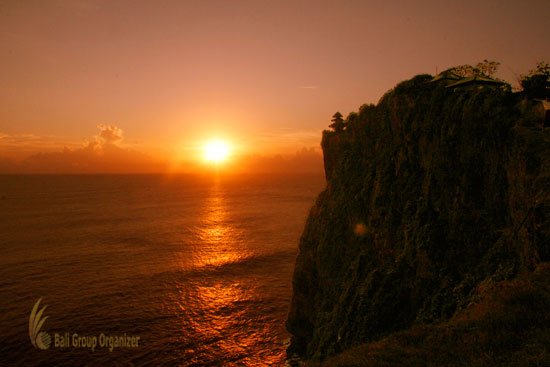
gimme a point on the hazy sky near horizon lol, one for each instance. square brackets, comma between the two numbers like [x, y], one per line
[266, 75]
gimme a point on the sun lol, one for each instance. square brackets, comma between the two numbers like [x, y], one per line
[216, 151]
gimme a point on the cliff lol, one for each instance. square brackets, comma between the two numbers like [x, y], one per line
[430, 193]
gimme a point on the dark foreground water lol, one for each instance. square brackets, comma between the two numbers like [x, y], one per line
[199, 268]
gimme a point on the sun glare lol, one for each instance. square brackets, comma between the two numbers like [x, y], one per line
[216, 151]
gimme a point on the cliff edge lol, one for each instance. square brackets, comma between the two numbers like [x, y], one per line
[430, 193]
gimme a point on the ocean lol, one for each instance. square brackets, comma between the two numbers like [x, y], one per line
[136, 270]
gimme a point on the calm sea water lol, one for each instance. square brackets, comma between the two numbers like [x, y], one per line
[198, 267]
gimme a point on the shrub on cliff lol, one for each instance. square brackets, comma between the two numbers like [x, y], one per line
[536, 84]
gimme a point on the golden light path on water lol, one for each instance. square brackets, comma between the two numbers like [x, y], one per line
[219, 239]
[223, 316]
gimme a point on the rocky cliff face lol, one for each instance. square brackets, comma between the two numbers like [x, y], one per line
[429, 193]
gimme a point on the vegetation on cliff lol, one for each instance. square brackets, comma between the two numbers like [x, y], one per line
[507, 324]
[430, 193]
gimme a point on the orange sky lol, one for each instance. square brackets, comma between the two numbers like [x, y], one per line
[166, 76]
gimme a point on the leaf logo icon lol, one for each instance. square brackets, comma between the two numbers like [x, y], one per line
[40, 340]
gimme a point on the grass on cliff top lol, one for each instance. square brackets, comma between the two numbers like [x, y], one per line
[508, 325]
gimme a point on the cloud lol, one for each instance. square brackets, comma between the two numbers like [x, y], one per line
[108, 137]
[290, 137]
[103, 153]
[110, 134]
[306, 160]
[13, 145]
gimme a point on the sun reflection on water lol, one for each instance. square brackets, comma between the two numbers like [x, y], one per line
[219, 241]
[218, 312]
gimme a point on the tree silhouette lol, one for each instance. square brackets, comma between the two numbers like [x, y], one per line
[536, 84]
[485, 68]
[337, 122]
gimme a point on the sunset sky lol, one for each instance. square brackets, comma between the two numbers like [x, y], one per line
[148, 83]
